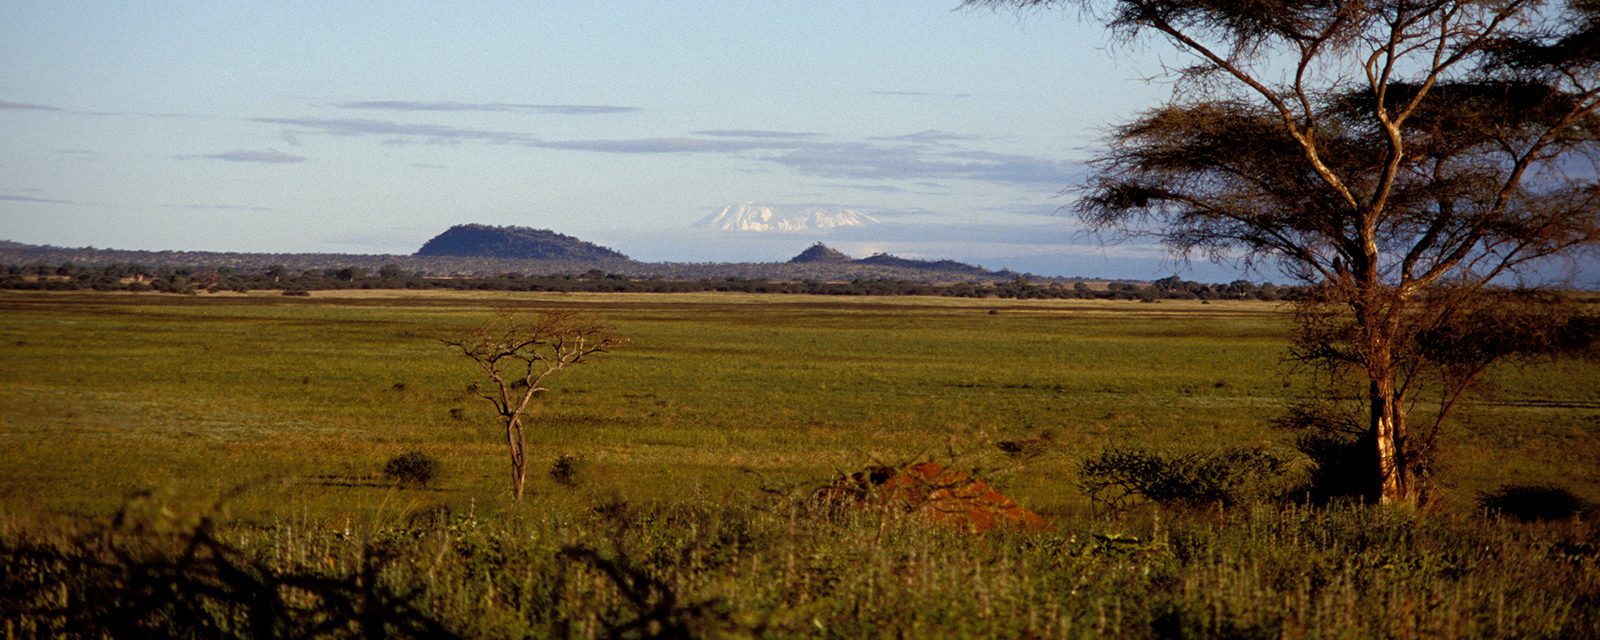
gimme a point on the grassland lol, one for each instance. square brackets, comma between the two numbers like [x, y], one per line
[283, 411]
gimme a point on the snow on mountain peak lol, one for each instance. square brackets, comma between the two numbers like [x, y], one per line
[748, 216]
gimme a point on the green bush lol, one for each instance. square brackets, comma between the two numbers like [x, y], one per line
[1228, 476]
[565, 469]
[413, 468]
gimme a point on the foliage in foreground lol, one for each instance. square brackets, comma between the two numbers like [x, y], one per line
[797, 568]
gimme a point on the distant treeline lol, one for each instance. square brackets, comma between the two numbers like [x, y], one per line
[185, 280]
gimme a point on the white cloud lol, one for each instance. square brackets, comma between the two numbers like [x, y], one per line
[502, 107]
[247, 155]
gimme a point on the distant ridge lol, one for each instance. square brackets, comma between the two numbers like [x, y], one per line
[819, 253]
[523, 243]
[946, 266]
[22, 257]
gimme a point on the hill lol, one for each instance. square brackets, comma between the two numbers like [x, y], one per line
[941, 266]
[819, 253]
[521, 243]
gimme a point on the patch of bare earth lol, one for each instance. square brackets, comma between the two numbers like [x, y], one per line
[943, 495]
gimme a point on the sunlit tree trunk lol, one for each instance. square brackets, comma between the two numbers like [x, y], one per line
[1388, 430]
[1379, 322]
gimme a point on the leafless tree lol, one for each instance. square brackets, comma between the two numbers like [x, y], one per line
[1401, 155]
[517, 355]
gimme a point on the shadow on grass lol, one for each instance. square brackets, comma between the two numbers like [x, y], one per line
[364, 482]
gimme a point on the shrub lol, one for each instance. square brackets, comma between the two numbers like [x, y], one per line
[413, 468]
[565, 469]
[1228, 476]
[1529, 503]
[1339, 447]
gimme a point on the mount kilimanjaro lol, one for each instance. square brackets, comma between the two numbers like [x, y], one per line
[749, 216]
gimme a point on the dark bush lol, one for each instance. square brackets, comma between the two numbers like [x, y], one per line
[1530, 503]
[1228, 476]
[565, 469]
[413, 468]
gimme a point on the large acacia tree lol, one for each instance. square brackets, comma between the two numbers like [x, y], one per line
[1400, 155]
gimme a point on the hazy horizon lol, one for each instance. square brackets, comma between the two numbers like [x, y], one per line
[369, 128]
[1094, 262]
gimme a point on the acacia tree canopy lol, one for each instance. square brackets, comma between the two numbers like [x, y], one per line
[1401, 155]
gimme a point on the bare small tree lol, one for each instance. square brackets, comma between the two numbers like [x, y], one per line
[517, 354]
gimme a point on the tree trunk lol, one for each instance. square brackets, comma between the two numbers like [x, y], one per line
[1394, 485]
[519, 461]
[1388, 431]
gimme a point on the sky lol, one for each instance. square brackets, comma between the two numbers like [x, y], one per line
[356, 127]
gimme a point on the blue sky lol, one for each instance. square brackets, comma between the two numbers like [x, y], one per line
[369, 127]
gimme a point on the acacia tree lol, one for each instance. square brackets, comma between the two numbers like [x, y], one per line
[517, 355]
[1400, 155]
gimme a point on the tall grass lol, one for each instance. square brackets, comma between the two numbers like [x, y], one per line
[789, 567]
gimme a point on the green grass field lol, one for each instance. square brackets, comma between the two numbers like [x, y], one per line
[285, 410]
[304, 400]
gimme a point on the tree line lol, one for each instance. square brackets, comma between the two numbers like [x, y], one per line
[194, 280]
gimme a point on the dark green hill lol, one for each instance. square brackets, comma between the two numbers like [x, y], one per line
[483, 241]
[819, 253]
[944, 266]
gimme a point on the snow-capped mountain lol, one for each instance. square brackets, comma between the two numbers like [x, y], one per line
[748, 216]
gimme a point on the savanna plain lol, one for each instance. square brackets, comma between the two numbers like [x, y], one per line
[214, 466]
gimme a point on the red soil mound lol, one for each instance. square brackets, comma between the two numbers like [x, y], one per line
[942, 494]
